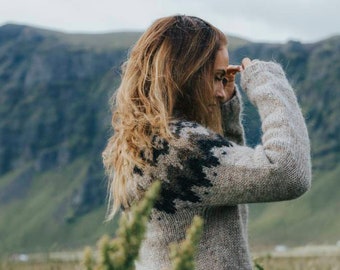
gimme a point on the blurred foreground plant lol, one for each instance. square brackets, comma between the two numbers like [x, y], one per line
[182, 256]
[121, 252]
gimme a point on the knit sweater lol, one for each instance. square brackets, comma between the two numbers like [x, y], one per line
[205, 174]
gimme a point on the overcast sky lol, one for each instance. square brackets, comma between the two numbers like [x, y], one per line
[256, 20]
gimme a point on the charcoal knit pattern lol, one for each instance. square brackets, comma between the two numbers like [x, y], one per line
[206, 174]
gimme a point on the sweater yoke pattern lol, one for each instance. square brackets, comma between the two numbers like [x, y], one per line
[181, 180]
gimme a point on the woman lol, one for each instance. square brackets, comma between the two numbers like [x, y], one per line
[177, 119]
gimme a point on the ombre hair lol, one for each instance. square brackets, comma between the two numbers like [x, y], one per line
[168, 75]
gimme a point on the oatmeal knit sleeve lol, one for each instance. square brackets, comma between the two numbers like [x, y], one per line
[232, 119]
[210, 170]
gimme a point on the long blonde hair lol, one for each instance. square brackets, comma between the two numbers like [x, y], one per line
[169, 74]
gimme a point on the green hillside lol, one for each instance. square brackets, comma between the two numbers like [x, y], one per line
[54, 123]
[39, 213]
[311, 219]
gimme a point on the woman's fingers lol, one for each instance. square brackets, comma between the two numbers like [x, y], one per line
[231, 72]
[233, 69]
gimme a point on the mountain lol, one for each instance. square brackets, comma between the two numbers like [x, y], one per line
[55, 120]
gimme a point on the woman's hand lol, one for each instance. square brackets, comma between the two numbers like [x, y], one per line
[229, 87]
[232, 70]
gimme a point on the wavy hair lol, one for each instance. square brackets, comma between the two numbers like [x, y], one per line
[168, 75]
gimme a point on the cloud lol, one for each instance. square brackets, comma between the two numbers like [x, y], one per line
[306, 20]
[267, 20]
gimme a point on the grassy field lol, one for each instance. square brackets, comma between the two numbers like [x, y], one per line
[305, 258]
[299, 263]
[44, 261]
[301, 258]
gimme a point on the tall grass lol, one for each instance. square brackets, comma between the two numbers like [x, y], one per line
[121, 252]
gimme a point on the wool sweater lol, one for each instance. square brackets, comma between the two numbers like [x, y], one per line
[214, 176]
